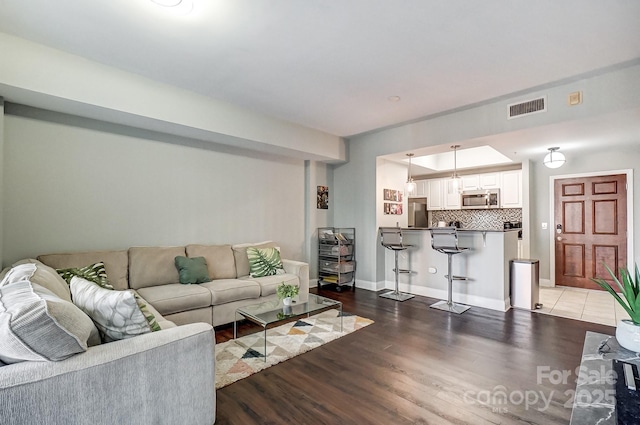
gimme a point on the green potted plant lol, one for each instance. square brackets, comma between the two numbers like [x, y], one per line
[627, 331]
[286, 292]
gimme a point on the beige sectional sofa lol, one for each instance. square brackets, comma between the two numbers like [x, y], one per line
[152, 273]
[164, 377]
[52, 373]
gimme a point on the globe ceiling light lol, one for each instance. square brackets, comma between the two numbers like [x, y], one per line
[554, 159]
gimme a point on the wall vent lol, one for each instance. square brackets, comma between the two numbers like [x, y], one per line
[528, 107]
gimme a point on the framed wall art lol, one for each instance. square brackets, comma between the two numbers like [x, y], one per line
[323, 198]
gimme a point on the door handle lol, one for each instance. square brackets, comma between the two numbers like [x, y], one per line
[559, 238]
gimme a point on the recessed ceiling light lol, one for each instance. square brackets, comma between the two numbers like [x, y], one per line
[393, 98]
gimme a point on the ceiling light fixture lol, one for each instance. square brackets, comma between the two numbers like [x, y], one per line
[554, 159]
[178, 7]
[411, 185]
[456, 180]
[167, 3]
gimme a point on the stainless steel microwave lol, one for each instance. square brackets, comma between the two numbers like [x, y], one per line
[480, 199]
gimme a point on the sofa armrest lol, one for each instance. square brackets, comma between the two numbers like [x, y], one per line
[164, 377]
[302, 271]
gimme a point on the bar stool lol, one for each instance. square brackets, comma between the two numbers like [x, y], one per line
[445, 240]
[391, 238]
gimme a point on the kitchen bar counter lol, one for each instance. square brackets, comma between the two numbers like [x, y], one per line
[486, 265]
[464, 229]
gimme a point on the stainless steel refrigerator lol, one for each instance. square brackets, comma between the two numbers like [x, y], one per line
[417, 210]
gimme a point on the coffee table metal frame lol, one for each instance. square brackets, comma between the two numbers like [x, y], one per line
[274, 312]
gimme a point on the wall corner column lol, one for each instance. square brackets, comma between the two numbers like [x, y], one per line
[2, 167]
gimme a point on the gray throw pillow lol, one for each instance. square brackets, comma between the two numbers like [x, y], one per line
[37, 325]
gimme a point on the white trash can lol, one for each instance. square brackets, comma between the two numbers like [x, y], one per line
[524, 276]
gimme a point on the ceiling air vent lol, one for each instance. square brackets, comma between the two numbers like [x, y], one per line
[533, 106]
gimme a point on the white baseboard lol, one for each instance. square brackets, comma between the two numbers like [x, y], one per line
[473, 300]
[368, 285]
[546, 283]
[361, 284]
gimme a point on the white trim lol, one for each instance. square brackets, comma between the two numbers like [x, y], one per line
[369, 286]
[360, 284]
[630, 233]
[441, 294]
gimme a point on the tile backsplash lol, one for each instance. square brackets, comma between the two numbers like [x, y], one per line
[477, 219]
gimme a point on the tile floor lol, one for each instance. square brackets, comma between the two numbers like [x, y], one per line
[581, 304]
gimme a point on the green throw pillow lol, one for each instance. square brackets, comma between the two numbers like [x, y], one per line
[95, 273]
[192, 270]
[264, 262]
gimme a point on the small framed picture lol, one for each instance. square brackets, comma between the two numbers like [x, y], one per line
[323, 198]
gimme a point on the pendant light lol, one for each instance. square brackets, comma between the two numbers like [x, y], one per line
[456, 181]
[554, 159]
[410, 185]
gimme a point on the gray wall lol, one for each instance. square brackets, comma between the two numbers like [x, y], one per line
[355, 181]
[73, 184]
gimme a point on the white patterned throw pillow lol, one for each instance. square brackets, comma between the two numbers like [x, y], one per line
[115, 313]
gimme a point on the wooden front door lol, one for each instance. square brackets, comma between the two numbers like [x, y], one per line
[590, 228]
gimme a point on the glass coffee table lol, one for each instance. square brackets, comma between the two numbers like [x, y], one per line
[270, 313]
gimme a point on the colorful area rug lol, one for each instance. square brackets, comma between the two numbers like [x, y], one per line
[236, 360]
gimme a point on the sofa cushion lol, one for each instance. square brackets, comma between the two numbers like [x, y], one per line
[45, 276]
[175, 297]
[115, 313]
[192, 270]
[161, 321]
[264, 262]
[242, 260]
[220, 260]
[36, 325]
[95, 273]
[153, 266]
[268, 284]
[227, 290]
[116, 263]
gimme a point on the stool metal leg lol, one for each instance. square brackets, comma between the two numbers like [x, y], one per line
[396, 294]
[449, 305]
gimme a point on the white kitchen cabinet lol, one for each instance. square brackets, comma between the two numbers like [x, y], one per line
[489, 180]
[451, 195]
[470, 182]
[511, 189]
[435, 194]
[421, 189]
[481, 181]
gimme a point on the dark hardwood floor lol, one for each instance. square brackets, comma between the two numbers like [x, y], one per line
[417, 365]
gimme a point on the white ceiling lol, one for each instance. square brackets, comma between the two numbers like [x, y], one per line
[332, 65]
